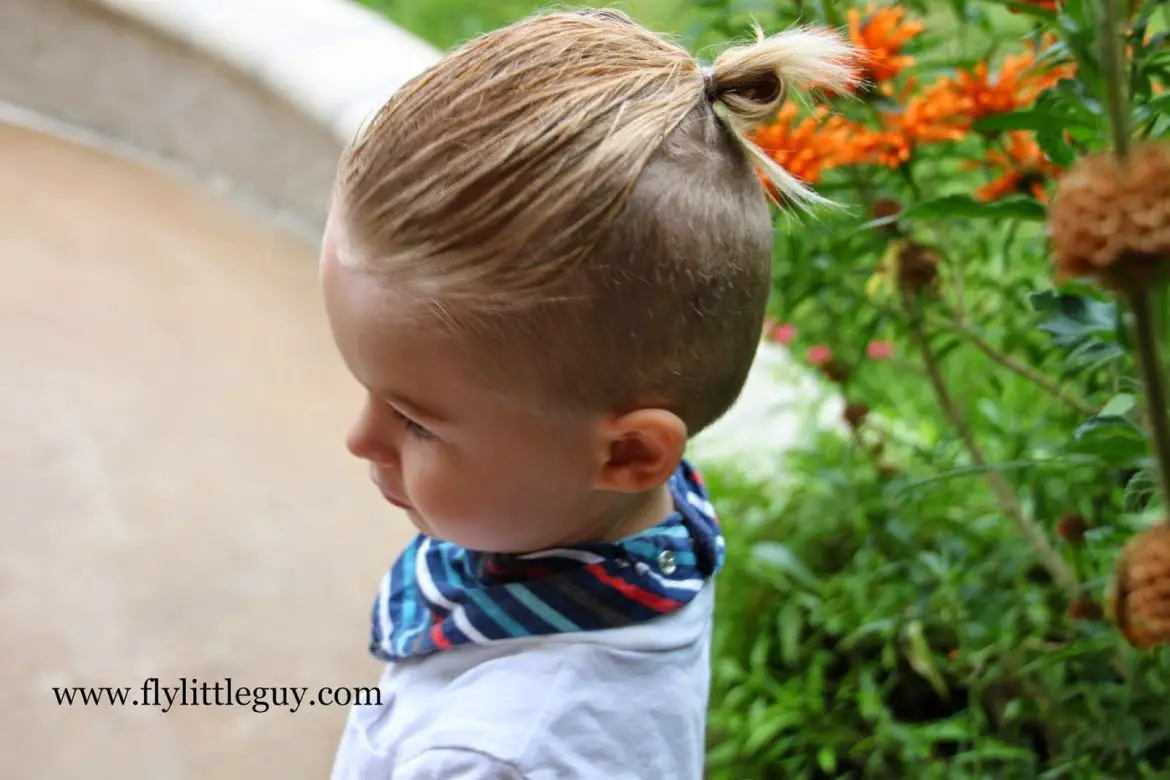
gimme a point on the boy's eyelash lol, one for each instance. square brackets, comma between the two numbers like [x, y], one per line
[413, 427]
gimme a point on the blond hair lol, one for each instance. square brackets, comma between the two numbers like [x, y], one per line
[577, 191]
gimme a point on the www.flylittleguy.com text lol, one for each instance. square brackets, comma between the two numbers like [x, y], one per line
[222, 693]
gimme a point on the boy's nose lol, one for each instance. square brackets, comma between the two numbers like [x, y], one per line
[371, 436]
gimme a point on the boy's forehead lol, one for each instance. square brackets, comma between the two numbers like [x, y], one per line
[395, 344]
[395, 347]
[335, 244]
[386, 336]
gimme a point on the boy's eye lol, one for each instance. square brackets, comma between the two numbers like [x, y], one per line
[413, 428]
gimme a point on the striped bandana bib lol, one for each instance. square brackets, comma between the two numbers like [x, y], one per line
[437, 595]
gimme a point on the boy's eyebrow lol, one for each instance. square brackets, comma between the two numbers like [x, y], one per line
[415, 408]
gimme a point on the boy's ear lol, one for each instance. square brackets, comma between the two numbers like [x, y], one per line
[642, 450]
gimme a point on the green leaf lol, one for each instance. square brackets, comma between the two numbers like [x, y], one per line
[1019, 7]
[791, 627]
[1035, 118]
[1074, 96]
[758, 658]
[1112, 439]
[780, 556]
[955, 729]
[1118, 406]
[1094, 352]
[1151, 109]
[1139, 490]
[775, 723]
[1051, 142]
[967, 207]
[869, 698]
[997, 751]
[827, 759]
[1108, 423]
[921, 658]
[1161, 125]
[1073, 317]
[880, 222]
[1024, 119]
[883, 628]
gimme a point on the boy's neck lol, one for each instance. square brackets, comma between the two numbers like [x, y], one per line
[630, 516]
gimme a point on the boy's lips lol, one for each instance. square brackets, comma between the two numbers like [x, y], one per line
[386, 494]
[395, 501]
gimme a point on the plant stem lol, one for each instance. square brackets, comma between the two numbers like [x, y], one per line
[864, 193]
[1010, 239]
[1057, 568]
[904, 169]
[1022, 369]
[1145, 328]
[1146, 340]
[859, 440]
[1113, 70]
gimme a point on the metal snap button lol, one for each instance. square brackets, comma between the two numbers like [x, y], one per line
[667, 562]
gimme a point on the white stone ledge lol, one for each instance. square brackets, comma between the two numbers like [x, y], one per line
[334, 60]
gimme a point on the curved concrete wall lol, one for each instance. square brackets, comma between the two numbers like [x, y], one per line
[259, 94]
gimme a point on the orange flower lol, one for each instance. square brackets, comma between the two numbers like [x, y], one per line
[880, 36]
[1046, 5]
[1051, 5]
[808, 147]
[1017, 85]
[936, 114]
[887, 147]
[947, 109]
[1023, 168]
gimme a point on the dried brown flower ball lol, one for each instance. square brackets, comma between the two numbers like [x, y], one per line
[835, 371]
[917, 268]
[1085, 607]
[1072, 529]
[855, 414]
[1140, 594]
[886, 207]
[1110, 219]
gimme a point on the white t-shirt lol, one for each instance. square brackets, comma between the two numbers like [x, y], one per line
[620, 704]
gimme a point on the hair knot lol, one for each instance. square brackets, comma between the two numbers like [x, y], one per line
[710, 84]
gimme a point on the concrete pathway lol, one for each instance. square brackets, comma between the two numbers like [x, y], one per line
[175, 497]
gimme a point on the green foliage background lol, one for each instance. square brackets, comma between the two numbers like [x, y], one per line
[882, 617]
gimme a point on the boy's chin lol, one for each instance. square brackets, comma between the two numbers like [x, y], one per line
[420, 523]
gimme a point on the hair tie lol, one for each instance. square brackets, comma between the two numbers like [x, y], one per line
[710, 85]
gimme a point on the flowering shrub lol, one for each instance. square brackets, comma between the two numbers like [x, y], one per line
[926, 597]
[934, 598]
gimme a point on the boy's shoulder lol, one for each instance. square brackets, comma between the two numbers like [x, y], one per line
[581, 711]
[622, 703]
